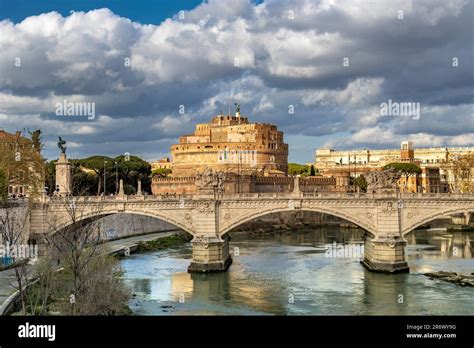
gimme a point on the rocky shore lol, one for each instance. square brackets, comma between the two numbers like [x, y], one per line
[453, 277]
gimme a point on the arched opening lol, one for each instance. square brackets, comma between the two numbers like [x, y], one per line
[448, 214]
[90, 232]
[437, 243]
[329, 213]
[308, 228]
[311, 236]
[92, 217]
[381, 254]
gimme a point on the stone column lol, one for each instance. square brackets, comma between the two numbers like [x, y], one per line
[296, 186]
[386, 251]
[139, 189]
[385, 254]
[210, 254]
[121, 190]
[210, 250]
[63, 175]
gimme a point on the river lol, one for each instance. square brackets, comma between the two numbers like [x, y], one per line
[291, 274]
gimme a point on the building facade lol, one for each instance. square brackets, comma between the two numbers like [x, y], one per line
[326, 157]
[11, 145]
[432, 179]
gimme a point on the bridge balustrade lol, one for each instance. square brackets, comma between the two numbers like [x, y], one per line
[261, 195]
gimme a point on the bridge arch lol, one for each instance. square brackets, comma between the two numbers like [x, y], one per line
[93, 216]
[243, 218]
[434, 216]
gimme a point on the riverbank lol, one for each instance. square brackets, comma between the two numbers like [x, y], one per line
[119, 247]
[163, 243]
[126, 246]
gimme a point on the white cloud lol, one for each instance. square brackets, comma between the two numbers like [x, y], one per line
[264, 105]
[281, 62]
[358, 93]
[172, 125]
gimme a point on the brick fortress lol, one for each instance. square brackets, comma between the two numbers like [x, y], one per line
[253, 157]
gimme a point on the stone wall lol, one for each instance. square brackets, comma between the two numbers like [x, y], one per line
[181, 185]
[126, 225]
[248, 184]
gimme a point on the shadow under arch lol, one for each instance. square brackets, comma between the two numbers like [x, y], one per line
[368, 230]
[88, 218]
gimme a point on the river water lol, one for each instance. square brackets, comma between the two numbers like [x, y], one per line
[291, 274]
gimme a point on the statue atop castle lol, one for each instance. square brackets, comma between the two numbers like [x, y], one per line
[237, 109]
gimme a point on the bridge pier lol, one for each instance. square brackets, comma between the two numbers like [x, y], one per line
[385, 254]
[210, 254]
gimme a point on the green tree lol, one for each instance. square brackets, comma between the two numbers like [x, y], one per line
[89, 173]
[406, 168]
[298, 169]
[50, 176]
[3, 186]
[131, 169]
[22, 164]
[98, 164]
[312, 171]
[360, 182]
[84, 183]
[36, 139]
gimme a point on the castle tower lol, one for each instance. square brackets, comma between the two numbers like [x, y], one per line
[231, 144]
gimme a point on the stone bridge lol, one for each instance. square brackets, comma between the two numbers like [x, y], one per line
[386, 218]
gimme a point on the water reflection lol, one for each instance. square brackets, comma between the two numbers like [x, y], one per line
[289, 273]
[443, 244]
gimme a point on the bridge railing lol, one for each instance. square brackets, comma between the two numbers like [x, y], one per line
[260, 195]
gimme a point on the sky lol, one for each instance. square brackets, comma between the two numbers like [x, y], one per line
[321, 70]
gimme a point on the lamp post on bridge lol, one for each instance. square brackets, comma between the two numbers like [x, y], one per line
[105, 178]
[116, 177]
[355, 172]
